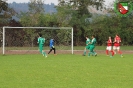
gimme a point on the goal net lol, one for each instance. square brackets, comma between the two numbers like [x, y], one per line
[23, 40]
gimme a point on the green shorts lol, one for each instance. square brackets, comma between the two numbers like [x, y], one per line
[41, 47]
[91, 48]
[87, 47]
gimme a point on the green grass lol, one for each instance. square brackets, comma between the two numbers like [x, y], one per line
[66, 71]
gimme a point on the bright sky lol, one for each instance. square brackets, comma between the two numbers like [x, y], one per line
[45, 1]
[107, 2]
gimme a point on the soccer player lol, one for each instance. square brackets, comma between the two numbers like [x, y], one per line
[41, 42]
[87, 45]
[117, 41]
[92, 46]
[109, 46]
[51, 44]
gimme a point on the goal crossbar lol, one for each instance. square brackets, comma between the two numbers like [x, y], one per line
[41, 27]
[7, 27]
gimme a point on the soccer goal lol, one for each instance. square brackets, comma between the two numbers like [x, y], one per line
[23, 40]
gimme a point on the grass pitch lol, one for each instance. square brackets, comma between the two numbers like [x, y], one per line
[66, 71]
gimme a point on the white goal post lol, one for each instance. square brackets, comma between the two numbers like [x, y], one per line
[7, 27]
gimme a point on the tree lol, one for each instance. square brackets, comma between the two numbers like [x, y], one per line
[31, 18]
[35, 10]
[74, 12]
[6, 13]
[3, 6]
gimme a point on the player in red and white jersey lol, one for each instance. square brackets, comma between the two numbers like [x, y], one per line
[109, 47]
[117, 41]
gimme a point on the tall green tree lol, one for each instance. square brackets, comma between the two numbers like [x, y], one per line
[35, 10]
[75, 13]
[31, 18]
[104, 26]
[6, 13]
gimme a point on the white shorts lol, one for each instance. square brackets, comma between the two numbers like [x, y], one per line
[116, 47]
[108, 48]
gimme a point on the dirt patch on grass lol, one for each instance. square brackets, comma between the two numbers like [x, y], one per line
[59, 51]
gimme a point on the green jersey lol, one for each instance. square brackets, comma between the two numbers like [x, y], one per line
[93, 41]
[87, 41]
[41, 40]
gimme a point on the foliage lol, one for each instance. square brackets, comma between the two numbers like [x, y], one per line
[31, 18]
[3, 6]
[104, 26]
[74, 13]
[6, 13]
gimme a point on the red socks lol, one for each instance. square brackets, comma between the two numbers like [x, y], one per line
[112, 52]
[107, 52]
[119, 52]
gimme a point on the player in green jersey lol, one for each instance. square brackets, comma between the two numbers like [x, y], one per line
[92, 46]
[41, 42]
[87, 45]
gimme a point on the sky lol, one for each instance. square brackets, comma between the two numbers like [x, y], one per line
[107, 2]
[45, 1]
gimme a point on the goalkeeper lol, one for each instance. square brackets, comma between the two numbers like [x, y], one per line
[41, 42]
[51, 44]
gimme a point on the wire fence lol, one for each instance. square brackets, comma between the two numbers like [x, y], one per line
[25, 39]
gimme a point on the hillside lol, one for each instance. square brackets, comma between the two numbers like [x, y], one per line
[18, 7]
